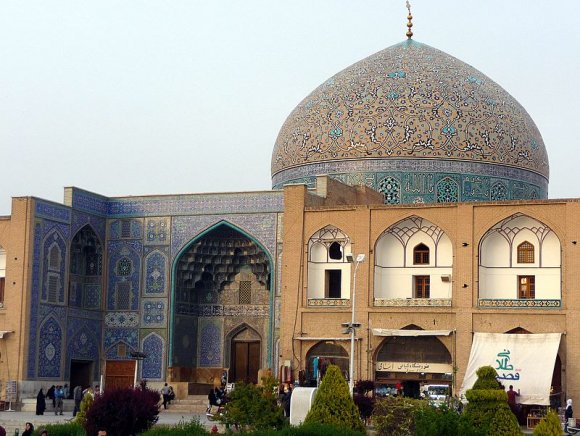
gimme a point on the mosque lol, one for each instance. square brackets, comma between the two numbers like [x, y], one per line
[409, 191]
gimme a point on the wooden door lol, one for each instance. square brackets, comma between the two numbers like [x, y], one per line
[245, 361]
[119, 373]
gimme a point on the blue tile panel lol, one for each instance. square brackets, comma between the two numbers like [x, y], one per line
[186, 204]
[115, 336]
[156, 268]
[210, 342]
[50, 348]
[124, 271]
[152, 365]
[409, 181]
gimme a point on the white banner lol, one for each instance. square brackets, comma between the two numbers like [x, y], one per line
[524, 361]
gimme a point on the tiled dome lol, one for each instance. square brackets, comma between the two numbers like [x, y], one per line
[418, 125]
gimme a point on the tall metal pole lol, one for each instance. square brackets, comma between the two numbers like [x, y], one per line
[352, 333]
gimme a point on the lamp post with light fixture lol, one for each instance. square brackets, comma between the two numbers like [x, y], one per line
[352, 326]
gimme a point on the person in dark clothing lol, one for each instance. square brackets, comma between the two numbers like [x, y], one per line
[50, 395]
[216, 398]
[511, 394]
[285, 397]
[77, 397]
[28, 429]
[40, 403]
[568, 414]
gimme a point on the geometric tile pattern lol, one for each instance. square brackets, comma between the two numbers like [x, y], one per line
[117, 229]
[157, 231]
[50, 348]
[153, 312]
[129, 337]
[54, 271]
[127, 255]
[122, 319]
[523, 303]
[412, 302]
[156, 273]
[210, 340]
[152, 365]
[409, 101]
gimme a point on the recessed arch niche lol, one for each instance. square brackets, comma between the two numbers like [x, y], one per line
[221, 278]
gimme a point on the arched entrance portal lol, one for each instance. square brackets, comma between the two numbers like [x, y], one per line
[222, 281]
[413, 365]
[320, 356]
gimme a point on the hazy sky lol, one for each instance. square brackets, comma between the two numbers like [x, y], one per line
[160, 97]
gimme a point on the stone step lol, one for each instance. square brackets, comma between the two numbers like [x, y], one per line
[29, 405]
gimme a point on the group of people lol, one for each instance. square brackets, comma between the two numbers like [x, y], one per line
[28, 430]
[57, 394]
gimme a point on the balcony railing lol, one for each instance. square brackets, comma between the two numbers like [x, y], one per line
[520, 303]
[328, 302]
[413, 302]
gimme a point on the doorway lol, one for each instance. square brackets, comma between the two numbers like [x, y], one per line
[119, 373]
[80, 373]
[245, 361]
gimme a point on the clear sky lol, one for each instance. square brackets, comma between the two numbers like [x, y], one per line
[180, 96]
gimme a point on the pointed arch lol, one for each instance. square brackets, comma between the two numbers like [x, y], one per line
[50, 341]
[269, 281]
[152, 367]
[53, 261]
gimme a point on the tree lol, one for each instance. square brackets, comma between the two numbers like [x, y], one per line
[549, 426]
[123, 411]
[487, 408]
[254, 407]
[333, 404]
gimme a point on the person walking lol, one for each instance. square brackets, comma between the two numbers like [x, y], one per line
[58, 398]
[568, 415]
[165, 393]
[50, 395]
[77, 397]
[40, 403]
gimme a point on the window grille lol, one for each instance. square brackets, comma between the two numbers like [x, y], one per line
[525, 253]
[125, 228]
[123, 296]
[245, 292]
[53, 284]
[54, 258]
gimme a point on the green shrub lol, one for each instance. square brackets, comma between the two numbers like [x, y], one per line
[254, 407]
[191, 428]
[549, 426]
[333, 404]
[314, 429]
[68, 429]
[86, 403]
[433, 421]
[395, 416]
[487, 409]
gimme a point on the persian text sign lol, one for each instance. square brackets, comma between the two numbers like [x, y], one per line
[524, 361]
[441, 368]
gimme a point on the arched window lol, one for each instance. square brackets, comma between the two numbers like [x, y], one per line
[335, 251]
[525, 252]
[421, 255]
[54, 258]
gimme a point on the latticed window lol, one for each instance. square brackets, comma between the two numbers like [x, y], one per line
[245, 292]
[123, 296]
[53, 285]
[124, 267]
[421, 255]
[525, 252]
[526, 287]
[54, 258]
[422, 286]
[121, 349]
[125, 229]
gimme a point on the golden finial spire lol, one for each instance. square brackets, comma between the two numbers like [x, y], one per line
[410, 23]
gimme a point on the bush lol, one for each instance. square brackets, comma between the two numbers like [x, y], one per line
[86, 403]
[254, 407]
[395, 416]
[549, 426]
[191, 428]
[314, 429]
[69, 429]
[487, 409]
[123, 412]
[333, 404]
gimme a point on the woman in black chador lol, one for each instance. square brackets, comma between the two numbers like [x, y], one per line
[40, 403]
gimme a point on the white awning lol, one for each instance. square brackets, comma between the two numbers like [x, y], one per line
[524, 361]
[344, 338]
[395, 332]
[5, 332]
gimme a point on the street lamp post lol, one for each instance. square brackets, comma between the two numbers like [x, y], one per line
[353, 324]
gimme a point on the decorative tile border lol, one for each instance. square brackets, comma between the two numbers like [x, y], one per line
[412, 302]
[489, 303]
[328, 302]
[217, 310]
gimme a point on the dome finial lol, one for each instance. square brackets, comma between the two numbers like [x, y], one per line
[410, 23]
